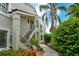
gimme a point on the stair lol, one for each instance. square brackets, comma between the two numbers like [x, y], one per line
[27, 38]
[25, 42]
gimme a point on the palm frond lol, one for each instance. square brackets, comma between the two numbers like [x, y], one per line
[46, 20]
[62, 8]
[43, 16]
[41, 7]
[69, 13]
[59, 19]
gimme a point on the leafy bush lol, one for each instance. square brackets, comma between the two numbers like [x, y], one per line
[8, 53]
[47, 38]
[66, 37]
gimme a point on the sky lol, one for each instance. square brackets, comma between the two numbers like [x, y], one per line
[62, 14]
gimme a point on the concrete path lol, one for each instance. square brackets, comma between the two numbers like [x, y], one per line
[48, 51]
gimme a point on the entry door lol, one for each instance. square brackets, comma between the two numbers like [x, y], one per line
[3, 39]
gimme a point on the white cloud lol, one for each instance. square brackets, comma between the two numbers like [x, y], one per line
[58, 12]
[48, 28]
[43, 3]
[39, 12]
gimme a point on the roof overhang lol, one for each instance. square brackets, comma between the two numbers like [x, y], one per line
[23, 13]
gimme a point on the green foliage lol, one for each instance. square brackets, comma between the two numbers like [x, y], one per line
[53, 39]
[8, 53]
[66, 37]
[35, 42]
[47, 38]
[73, 10]
[14, 53]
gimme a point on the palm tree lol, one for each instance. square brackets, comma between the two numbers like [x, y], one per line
[45, 18]
[53, 7]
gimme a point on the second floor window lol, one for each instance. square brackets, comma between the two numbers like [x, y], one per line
[4, 7]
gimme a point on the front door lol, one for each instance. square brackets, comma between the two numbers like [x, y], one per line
[3, 38]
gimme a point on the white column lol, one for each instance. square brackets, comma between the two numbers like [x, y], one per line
[16, 31]
[35, 24]
[43, 38]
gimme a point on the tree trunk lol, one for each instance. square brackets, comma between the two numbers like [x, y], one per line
[52, 15]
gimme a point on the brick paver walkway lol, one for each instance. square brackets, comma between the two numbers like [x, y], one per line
[48, 51]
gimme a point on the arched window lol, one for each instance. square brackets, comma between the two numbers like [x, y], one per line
[4, 7]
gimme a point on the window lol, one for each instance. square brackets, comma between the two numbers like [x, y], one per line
[28, 20]
[4, 7]
[3, 38]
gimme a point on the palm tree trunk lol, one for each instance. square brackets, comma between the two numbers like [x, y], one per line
[52, 23]
[52, 12]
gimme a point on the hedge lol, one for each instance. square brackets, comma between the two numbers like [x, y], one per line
[47, 38]
[66, 37]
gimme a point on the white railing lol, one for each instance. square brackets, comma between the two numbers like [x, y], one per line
[26, 40]
[32, 33]
[21, 45]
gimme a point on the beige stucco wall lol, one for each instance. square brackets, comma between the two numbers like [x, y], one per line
[23, 7]
[24, 27]
[5, 22]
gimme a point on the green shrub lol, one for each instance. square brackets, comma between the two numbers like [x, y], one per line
[66, 37]
[8, 53]
[47, 38]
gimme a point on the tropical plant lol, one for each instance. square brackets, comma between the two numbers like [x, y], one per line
[35, 41]
[53, 7]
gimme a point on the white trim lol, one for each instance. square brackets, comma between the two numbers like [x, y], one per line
[3, 49]
[24, 13]
[9, 7]
[8, 38]
[2, 13]
[2, 28]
